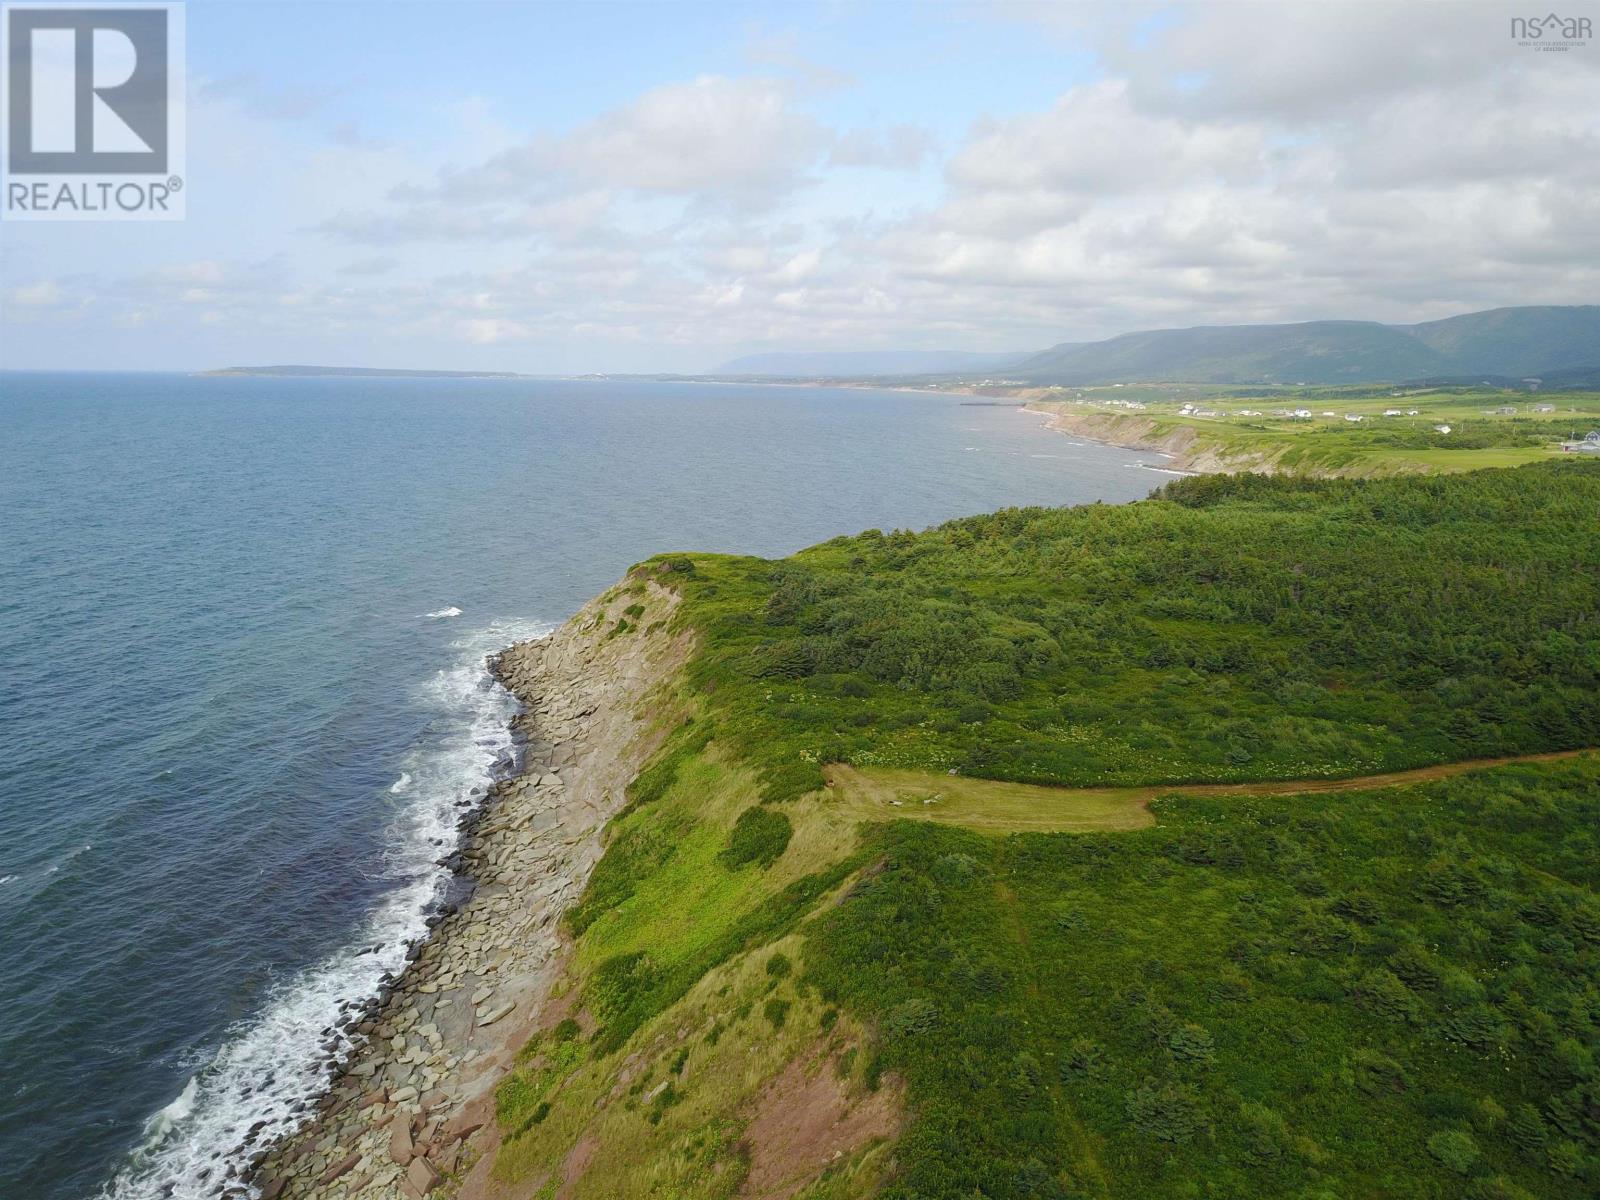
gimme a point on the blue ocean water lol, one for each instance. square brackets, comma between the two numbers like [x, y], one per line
[242, 632]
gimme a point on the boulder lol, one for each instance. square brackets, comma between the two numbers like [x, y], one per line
[401, 1147]
[343, 1167]
[421, 1177]
[494, 1014]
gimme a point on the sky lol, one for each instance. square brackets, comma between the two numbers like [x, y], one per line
[624, 187]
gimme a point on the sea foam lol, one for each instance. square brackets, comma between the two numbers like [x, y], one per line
[263, 1081]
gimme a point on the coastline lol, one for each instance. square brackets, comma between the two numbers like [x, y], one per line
[1187, 449]
[411, 1110]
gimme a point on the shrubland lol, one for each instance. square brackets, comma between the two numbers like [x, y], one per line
[1391, 991]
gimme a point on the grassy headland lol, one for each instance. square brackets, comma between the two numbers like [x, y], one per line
[777, 988]
[1358, 432]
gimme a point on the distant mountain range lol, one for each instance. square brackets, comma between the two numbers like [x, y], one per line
[1507, 342]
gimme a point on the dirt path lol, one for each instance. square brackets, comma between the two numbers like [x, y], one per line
[992, 806]
[1362, 783]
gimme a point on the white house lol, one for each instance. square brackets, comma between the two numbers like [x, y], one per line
[1544, 408]
[1354, 417]
[1441, 429]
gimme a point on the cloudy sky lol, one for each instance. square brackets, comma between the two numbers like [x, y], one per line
[660, 186]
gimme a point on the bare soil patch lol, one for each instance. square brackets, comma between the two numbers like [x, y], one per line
[809, 1118]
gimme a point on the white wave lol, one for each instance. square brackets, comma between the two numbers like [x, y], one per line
[164, 1119]
[7, 878]
[271, 1068]
[401, 784]
[452, 611]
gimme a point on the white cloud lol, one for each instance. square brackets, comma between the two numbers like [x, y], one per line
[730, 141]
[1225, 163]
[47, 293]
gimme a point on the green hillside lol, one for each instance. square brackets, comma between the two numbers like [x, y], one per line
[1506, 342]
[976, 864]
[1517, 341]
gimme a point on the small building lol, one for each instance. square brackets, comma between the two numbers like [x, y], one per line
[1413, 412]
[1354, 417]
[1544, 408]
[1441, 429]
[1506, 410]
[1392, 412]
[1301, 414]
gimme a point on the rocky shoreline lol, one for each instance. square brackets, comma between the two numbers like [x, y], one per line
[411, 1111]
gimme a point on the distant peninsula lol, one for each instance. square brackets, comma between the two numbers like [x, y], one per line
[364, 372]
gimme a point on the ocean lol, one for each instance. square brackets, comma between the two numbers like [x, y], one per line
[242, 696]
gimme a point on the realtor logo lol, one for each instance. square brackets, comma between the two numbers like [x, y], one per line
[1552, 32]
[93, 102]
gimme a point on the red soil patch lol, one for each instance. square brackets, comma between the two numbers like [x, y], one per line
[575, 1164]
[808, 1118]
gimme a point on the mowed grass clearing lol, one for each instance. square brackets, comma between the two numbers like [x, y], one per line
[983, 805]
[990, 806]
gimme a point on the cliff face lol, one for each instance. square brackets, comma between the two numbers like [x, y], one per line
[1189, 448]
[414, 1108]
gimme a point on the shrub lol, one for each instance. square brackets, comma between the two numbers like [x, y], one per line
[1375, 1073]
[1382, 992]
[1263, 1132]
[791, 780]
[1084, 1057]
[619, 981]
[566, 1030]
[776, 1011]
[760, 835]
[910, 1018]
[1454, 1150]
[1192, 1043]
[1167, 1112]
[1526, 1128]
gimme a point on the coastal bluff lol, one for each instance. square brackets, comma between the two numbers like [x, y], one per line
[411, 1111]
